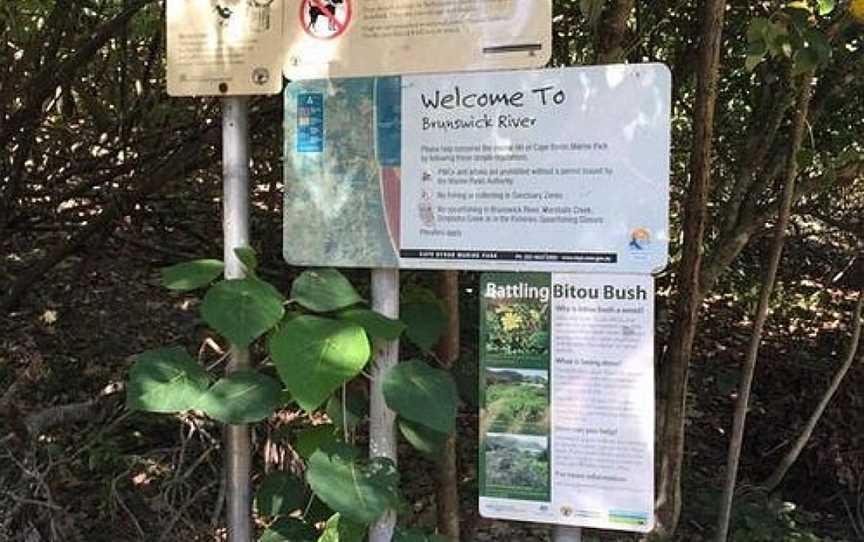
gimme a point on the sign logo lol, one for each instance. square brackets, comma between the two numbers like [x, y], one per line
[325, 19]
[640, 239]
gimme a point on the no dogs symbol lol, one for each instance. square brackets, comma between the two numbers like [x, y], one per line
[325, 19]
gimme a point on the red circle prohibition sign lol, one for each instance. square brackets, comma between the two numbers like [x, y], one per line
[323, 12]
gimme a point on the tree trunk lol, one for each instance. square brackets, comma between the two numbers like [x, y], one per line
[448, 473]
[799, 123]
[674, 371]
[792, 455]
[609, 45]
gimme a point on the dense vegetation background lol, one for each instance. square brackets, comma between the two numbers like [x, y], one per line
[104, 179]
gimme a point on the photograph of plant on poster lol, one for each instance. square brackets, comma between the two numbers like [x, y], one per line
[514, 352]
[517, 401]
[515, 316]
[517, 467]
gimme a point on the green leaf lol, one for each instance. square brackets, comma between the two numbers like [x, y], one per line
[355, 410]
[416, 535]
[247, 257]
[752, 61]
[280, 494]
[242, 397]
[425, 323]
[799, 13]
[805, 60]
[819, 43]
[339, 529]
[359, 490]
[757, 29]
[242, 309]
[315, 355]
[757, 48]
[805, 157]
[165, 380]
[324, 290]
[427, 441]
[315, 438]
[317, 511]
[376, 324]
[826, 6]
[191, 275]
[289, 530]
[779, 43]
[422, 394]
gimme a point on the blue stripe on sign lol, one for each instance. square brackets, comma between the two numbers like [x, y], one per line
[389, 130]
[310, 122]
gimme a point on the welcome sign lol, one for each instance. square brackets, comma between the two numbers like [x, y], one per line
[550, 170]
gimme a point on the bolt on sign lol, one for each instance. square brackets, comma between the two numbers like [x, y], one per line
[567, 399]
[548, 170]
[351, 38]
[224, 47]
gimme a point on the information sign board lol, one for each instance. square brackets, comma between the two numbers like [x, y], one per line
[546, 170]
[224, 47]
[351, 38]
[567, 395]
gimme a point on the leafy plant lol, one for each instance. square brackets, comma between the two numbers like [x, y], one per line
[790, 33]
[318, 340]
[517, 408]
[517, 328]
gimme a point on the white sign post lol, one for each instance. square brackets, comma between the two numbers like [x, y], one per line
[235, 226]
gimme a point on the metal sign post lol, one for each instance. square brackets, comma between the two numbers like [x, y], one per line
[235, 226]
[566, 534]
[382, 425]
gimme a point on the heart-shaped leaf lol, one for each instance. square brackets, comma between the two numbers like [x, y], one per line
[376, 324]
[826, 6]
[425, 323]
[242, 309]
[314, 356]
[289, 530]
[315, 438]
[242, 397]
[350, 414]
[359, 490]
[280, 494]
[422, 394]
[805, 59]
[165, 380]
[340, 529]
[427, 441]
[191, 275]
[247, 257]
[324, 290]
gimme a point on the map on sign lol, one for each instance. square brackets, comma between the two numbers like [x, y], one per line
[224, 47]
[351, 38]
[550, 170]
[567, 399]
